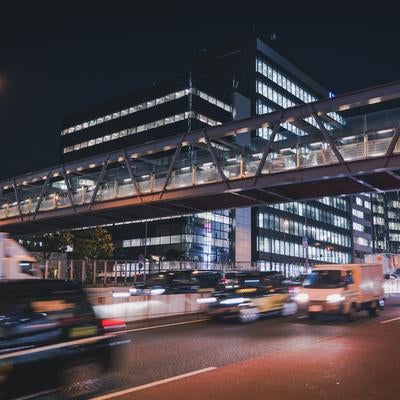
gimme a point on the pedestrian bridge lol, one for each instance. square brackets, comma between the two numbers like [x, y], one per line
[242, 163]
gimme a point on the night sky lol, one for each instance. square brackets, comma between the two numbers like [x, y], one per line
[55, 61]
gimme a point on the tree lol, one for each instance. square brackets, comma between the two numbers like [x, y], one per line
[47, 243]
[92, 244]
[174, 255]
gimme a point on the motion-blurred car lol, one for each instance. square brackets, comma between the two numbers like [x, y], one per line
[391, 276]
[50, 339]
[236, 279]
[249, 303]
[174, 282]
[294, 284]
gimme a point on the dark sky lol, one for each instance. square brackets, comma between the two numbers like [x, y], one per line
[55, 60]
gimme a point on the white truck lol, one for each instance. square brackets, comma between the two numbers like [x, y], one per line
[342, 289]
[15, 261]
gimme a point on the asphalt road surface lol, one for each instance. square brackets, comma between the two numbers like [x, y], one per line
[275, 358]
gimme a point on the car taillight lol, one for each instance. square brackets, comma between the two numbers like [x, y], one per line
[110, 325]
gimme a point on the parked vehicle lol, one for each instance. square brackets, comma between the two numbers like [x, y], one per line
[177, 281]
[50, 339]
[343, 289]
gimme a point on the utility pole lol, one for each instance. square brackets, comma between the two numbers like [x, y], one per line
[305, 238]
[145, 251]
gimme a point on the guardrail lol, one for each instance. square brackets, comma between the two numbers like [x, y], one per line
[136, 308]
[392, 287]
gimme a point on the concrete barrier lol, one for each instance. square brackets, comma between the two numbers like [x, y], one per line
[136, 308]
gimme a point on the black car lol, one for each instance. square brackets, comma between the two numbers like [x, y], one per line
[236, 279]
[295, 283]
[178, 281]
[49, 335]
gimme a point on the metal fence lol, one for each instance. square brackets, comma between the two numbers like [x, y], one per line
[97, 273]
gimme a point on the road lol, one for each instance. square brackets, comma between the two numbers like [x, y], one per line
[288, 358]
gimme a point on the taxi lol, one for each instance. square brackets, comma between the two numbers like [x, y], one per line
[249, 303]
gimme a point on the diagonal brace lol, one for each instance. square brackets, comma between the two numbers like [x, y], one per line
[392, 145]
[69, 191]
[329, 139]
[42, 193]
[17, 199]
[267, 150]
[337, 153]
[172, 165]
[215, 160]
[99, 180]
[131, 174]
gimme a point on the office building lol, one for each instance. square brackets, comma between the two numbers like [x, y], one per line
[159, 111]
[290, 235]
[243, 78]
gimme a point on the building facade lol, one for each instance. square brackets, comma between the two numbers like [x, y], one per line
[162, 110]
[246, 77]
[289, 236]
[386, 222]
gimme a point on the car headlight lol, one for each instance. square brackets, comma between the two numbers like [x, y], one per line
[334, 298]
[157, 291]
[206, 300]
[120, 294]
[302, 298]
[236, 300]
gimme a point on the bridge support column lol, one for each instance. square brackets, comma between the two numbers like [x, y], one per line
[193, 175]
[105, 273]
[94, 271]
[83, 272]
[71, 270]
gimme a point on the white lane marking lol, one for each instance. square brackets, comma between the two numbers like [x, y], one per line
[301, 317]
[390, 320]
[156, 383]
[162, 326]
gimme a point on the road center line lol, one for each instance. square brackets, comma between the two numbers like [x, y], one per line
[162, 326]
[156, 383]
[390, 320]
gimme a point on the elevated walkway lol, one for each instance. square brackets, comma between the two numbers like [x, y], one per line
[211, 169]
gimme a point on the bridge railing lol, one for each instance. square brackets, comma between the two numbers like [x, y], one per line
[290, 158]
